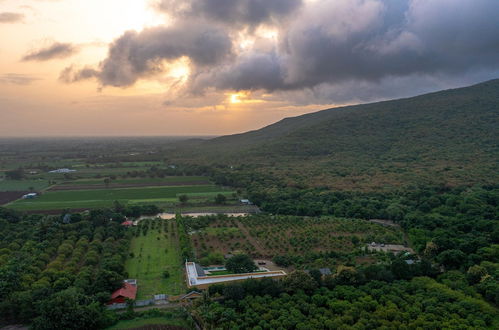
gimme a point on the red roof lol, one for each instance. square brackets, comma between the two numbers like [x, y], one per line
[127, 223]
[127, 291]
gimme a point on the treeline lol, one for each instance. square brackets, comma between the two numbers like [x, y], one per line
[186, 249]
[57, 273]
[300, 302]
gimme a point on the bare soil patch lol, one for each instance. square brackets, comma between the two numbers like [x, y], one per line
[10, 196]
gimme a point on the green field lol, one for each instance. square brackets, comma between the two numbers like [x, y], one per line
[132, 324]
[154, 253]
[170, 179]
[23, 185]
[75, 199]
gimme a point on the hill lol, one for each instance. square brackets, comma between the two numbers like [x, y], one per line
[443, 138]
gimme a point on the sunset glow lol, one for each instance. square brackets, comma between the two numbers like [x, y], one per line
[164, 61]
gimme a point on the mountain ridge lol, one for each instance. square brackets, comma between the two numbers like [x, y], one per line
[446, 137]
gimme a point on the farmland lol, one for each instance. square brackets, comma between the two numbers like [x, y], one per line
[264, 236]
[154, 249]
[105, 197]
[24, 185]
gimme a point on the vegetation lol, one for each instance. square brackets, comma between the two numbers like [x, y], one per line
[105, 197]
[445, 138]
[173, 318]
[302, 304]
[240, 264]
[57, 275]
[154, 259]
[317, 241]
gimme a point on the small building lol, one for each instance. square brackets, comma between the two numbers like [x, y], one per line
[62, 170]
[120, 296]
[127, 223]
[30, 196]
[66, 219]
[160, 297]
[325, 271]
[246, 202]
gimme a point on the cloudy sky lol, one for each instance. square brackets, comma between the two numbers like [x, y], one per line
[211, 67]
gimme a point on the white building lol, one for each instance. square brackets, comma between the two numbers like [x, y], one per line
[196, 276]
[63, 170]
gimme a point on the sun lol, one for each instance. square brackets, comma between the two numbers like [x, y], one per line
[138, 15]
[234, 98]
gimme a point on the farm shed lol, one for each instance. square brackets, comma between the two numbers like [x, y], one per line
[128, 291]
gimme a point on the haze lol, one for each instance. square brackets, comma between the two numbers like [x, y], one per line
[212, 67]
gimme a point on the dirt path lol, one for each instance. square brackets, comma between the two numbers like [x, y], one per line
[258, 247]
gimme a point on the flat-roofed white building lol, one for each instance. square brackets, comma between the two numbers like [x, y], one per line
[196, 276]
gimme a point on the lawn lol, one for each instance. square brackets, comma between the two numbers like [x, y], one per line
[22, 185]
[75, 199]
[153, 253]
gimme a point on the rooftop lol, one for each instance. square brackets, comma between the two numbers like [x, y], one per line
[203, 281]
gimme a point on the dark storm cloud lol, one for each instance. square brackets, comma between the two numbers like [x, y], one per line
[55, 51]
[7, 17]
[140, 54]
[334, 41]
[327, 43]
[233, 12]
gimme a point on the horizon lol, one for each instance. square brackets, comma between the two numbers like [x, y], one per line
[69, 70]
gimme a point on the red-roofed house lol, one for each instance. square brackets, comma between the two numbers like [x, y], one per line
[127, 223]
[127, 291]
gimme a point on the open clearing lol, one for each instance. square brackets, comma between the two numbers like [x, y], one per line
[153, 251]
[75, 199]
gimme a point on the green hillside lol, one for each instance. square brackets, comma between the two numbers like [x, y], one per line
[443, 138]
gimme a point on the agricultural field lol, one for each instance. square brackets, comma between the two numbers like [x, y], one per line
[84, 184]
[23, 185]
[80, 199]
[154, 249]
[263, 236]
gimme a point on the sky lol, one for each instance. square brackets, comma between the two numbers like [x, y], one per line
[214, 67]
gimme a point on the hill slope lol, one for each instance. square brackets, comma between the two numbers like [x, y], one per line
[449, 137]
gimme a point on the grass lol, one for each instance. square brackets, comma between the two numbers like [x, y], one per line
[53, 200]
[22, 185]
[152, 255]
[131, 324]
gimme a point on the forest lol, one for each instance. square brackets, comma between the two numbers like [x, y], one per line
[57, 274]
[453, 284]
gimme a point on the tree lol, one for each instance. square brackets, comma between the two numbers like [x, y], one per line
[70, 309]
[240, 263]
[15, 174]
[452, 259]
[183, 199]
[220, 199]
[299, 280]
